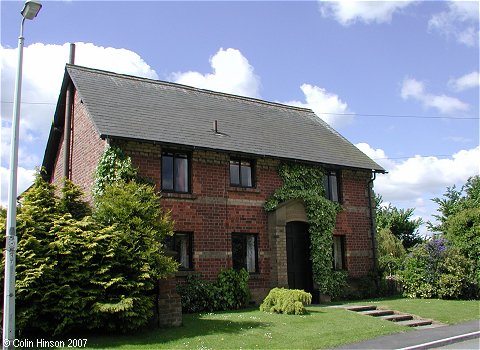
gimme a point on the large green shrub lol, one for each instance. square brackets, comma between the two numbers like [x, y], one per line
[229, 292]
[135, 261]
[436, 270]
[286, 301]
[307, 183]
[77, 272]
[391, 252]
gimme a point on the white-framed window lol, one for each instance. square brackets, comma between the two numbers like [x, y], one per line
[175, 172]
[242, 172]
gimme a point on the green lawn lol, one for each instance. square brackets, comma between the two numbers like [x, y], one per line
[323, 327]
[252, 329]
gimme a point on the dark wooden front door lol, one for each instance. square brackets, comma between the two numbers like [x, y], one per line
[299, 266]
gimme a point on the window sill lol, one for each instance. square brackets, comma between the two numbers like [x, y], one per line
[255, 276]
[178, 195]
[243, 189]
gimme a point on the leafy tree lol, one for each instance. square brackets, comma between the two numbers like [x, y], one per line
[71, 201]
[459, 222]
[75, 271]
[35, 269]
[399, 222]
[391, 251]
[455, 201]
[135, 261]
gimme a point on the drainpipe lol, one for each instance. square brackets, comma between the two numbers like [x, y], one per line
[68, 119]
[372, 227]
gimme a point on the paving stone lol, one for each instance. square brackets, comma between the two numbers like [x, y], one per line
[358, 308]
[376, 313]
[397, 317]
[415, 323]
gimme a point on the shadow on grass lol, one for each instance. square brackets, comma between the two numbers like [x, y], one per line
[193, 326]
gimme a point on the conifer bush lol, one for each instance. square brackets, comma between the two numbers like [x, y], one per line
[286, 301]
[76, 271]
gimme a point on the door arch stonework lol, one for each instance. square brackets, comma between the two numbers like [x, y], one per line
[292, 210]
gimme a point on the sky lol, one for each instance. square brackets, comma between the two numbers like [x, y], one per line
[400, 80]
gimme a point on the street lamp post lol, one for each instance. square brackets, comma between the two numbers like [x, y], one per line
[30, 11]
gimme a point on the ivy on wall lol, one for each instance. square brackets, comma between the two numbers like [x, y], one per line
[114, 165]
[307, 183]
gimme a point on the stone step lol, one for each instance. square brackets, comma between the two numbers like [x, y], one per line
[415, 323]
[397, 317]
[377, 313]
[358, 308]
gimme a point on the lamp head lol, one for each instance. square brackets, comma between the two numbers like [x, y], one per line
[31, 9]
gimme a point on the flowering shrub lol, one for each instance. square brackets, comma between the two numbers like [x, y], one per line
[435, 270]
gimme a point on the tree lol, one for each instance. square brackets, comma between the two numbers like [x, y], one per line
[75, 271]
[135, 261]
[399, 222]
[434, 269]
[458, 222]
[454, 201]
[391, 251]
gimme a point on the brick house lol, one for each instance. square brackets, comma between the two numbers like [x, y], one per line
[214, 156]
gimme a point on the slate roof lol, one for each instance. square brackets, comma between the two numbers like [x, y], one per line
[128, 107]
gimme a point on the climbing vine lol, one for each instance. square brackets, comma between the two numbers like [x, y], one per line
[307, 183]
[114, 165]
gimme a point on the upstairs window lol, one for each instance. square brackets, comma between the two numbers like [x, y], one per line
[175, 172]
[180, 246]
[245, 252]
[241, 173]
[339, 253]
[331, 186]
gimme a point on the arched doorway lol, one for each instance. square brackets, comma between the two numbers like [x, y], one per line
[299, 265]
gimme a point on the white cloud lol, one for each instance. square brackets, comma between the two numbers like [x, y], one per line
[459, 21]
[467, 81]
[326, 105]
[43, 70]
[418, 179]
[232, 73]
[415, 89]
[24, 180]
[419, 176]
[349, 12]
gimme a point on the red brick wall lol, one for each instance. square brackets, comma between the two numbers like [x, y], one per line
[214, 210]
[86, 148]
[354, 222]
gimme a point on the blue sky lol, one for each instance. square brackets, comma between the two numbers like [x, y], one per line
[398, 79]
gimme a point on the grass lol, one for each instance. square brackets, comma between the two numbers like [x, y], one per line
[445, 311]
[322, 327]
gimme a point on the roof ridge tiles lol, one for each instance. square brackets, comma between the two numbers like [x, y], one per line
[189, 87]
